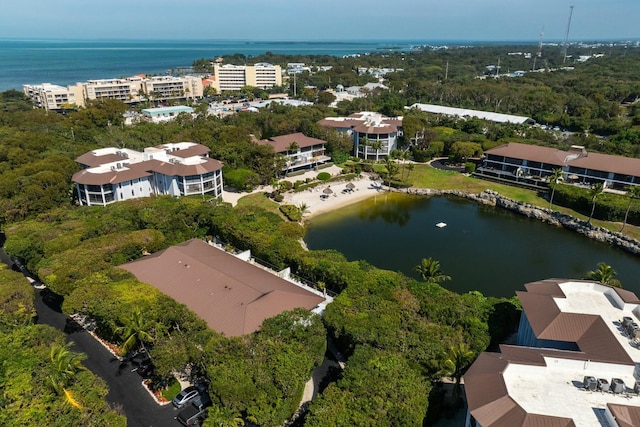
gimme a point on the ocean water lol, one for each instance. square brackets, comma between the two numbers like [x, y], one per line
[65, 62]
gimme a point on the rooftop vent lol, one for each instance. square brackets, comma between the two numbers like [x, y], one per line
[590, 383]
[603, 385]
[617, 385]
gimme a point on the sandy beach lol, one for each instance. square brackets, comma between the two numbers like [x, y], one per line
[334, 195]
[319, 200]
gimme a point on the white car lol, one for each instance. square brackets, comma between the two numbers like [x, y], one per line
[185, 396]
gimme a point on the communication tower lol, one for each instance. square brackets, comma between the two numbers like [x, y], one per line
[566, 37]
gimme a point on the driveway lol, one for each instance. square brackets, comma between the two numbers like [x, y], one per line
[126, 391]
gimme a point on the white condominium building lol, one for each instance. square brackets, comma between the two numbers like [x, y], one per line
[112, 174]
[234, 77]
[130, 89]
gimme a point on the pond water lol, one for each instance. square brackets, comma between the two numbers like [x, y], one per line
[482, 248]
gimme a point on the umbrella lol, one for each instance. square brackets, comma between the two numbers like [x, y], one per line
[328, 191]
[351, 185]
[573, 177]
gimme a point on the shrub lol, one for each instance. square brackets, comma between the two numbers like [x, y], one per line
[421, 156]
[241, 179]
[278, 197]
[469, 167]
[323, 176]
[286, 185]
[291, 212]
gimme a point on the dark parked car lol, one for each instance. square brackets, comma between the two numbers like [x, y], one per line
[19, 265]
[145, 369]
[185, 396]
[196, 412]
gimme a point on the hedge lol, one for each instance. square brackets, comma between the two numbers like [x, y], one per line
[609, 206]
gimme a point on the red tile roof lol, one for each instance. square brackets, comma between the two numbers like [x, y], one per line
[231, 295]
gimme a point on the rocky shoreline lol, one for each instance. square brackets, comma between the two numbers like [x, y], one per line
[549, 216]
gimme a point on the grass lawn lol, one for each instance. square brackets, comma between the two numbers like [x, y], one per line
[261, 201]
[172, 390]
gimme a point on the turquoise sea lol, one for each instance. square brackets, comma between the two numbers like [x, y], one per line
[66, 62]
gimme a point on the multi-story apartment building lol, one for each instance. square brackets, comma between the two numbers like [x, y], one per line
[130, 89]
[234, 77]
[178, 169]
[374, 136]
[52, 97]
[300, 151]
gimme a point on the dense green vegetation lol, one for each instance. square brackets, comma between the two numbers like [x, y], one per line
[43, 381]
[399, 335]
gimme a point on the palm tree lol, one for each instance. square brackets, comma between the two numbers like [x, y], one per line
[430, 271]
[134, 333]
[554, 179]
[66, 364]
[376, 145]
[222, 416]
[459, 357]
[604, 274]
[364, 141]
[596, 190]
[303, 208]
[633, 192]
[392, 170]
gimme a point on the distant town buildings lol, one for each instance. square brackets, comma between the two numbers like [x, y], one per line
[374, 135]
[576, 363]
[129, 90]
[112, 174]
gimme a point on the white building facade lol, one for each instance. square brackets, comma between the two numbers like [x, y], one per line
[111, 175]
[374, 136]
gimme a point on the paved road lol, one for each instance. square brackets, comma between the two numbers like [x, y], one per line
[125, 387]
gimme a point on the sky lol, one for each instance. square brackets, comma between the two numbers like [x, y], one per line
[305, 20]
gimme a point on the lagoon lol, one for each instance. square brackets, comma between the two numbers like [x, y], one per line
[482, 248]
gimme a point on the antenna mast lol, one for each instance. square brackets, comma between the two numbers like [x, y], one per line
[539, 53]
[566, 37]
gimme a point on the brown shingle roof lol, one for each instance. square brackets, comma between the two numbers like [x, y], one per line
[232, 296]
[181, 169]
[553, 156]
[625, 415]
[117, 176]
[194, 150]
[547, 155]
[281, 143]
[91, 160]
[143, 169]
[588, 331]
[372, 129]
[488, 397]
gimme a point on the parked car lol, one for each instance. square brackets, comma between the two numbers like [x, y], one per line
[185, 396]
[196, 412]
[145, 369]
[19, 265]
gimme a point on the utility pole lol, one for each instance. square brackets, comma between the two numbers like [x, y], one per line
[566, 37]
